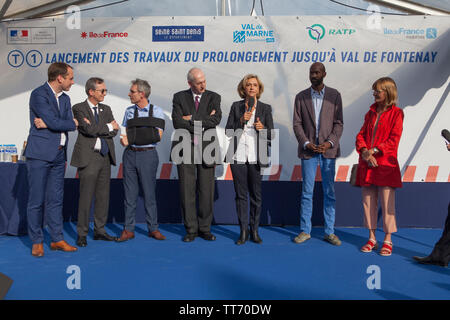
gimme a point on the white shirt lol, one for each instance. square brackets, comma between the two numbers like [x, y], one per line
[196, 95]
[57, 95]
[98, 144]
[247, 146]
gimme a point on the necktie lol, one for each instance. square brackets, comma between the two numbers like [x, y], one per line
[104, 146]
[197, 102]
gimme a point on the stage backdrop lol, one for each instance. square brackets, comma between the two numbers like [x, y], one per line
[414, 51]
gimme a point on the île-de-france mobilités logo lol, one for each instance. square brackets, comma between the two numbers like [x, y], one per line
[250, 32]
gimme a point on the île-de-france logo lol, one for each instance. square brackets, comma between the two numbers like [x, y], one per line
[316, 32]
[250, 32]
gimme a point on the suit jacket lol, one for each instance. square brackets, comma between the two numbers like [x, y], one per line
[331, 122]
[42, 144]
[264, 113]
[183, 105]
[88, 133]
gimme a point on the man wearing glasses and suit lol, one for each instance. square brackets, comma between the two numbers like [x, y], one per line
[93, 155]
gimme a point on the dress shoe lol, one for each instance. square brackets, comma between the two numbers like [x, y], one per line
[63, 246]
[104, 237]
[156, 235]
[255, 236]
[429, 260]
[81, 241]
[243, 237]
[207, 236]
[189, 237]
[38, 250]
[125, 236]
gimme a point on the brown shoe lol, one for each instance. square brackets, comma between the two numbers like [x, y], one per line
[126, 235]
[38, 250]
[156, 235]
[63, 246]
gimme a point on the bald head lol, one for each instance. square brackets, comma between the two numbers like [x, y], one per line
[196, 80]
[316, 75]
[319, 65]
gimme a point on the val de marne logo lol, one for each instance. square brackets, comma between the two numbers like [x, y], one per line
[239, 36]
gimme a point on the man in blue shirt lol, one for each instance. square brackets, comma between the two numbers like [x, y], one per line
[140, 164]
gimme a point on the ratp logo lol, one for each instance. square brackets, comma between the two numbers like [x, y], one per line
[239, 36]
[316, 32]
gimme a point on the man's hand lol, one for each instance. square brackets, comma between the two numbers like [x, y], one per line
[312, 147]
[258, 125]
[124, 141]
[322, 148]
[115, 125]
[213, 112]
[87, 121]
[39, 123]
[448, 147]
[188, 117]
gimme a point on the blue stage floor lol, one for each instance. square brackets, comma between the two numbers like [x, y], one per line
[145, 268]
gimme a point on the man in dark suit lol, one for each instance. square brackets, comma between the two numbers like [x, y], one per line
[440, 255]
[50, 118]
[93, 155]
[196, 104]
[318, 124]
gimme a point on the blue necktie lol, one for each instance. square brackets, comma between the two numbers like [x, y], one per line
[104, 146]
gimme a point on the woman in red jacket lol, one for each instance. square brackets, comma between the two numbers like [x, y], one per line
[378, 170]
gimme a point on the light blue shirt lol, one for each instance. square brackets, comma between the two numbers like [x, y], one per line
[317, 100]
[129, 114]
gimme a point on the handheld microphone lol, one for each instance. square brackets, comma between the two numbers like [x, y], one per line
[446, 134]
[250, 103]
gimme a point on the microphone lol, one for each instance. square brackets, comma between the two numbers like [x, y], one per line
[446, 134]
[250, 103]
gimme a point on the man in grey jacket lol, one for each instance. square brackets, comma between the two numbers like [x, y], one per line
[318, 125]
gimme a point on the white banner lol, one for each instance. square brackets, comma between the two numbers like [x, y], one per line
[356, 51]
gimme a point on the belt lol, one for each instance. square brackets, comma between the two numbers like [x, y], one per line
[141, 149]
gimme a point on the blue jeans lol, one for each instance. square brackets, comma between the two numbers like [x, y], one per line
[327, 169]
[139, 168]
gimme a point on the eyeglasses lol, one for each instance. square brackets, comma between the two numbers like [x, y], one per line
[103, 91]
[133, 91]
[378, 91]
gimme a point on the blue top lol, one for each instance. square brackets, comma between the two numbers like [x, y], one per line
[129, 114]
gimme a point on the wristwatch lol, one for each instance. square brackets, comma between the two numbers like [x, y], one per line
[375, 150]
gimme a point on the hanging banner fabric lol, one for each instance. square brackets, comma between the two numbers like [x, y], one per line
[355, 50]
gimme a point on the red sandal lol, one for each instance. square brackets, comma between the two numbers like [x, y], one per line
[386, 249]
[369, 246]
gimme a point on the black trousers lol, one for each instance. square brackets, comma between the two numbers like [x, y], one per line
[247, 182]
[441, 251]
[193, 178]
[94, 181]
